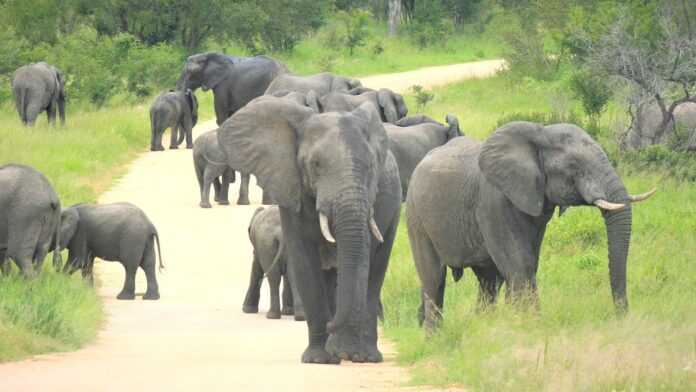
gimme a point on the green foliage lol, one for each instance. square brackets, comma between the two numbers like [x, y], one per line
[428, 24]
[422, 96]
[593, 92]
[678, 164]
[355, 32]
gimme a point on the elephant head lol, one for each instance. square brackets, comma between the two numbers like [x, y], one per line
[344, 84]
[205, 70]
[561, 165]
[69, 222]
[392, 105]
[60, 90]
[192, 102]
[323, 166]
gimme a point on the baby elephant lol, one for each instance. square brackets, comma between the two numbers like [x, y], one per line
[211, 168]
[177, 110]
[112, 232]
[269, 259]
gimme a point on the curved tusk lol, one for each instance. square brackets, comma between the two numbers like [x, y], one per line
[642, 196]
[375, 230]
[609, 206]
[325, 231]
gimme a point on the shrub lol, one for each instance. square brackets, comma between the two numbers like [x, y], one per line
[354, 24]
[422, 96]
[428, 24]
[593, 92]
[680, 165]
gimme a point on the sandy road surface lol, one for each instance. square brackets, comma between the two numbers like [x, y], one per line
[196, 337]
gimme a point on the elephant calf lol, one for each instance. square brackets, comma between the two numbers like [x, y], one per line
[113, 232]
[411, 138]
[177, 110]
[266, 236]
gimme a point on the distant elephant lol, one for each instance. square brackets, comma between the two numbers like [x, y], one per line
[486, 206]
[645, 130]
[329, 173]
[113, 232]
[266, 236]
[411, 138]
[177, 110]
[29, 219]
[389, 105]
[234, 80]
[321, 84]
[39, 87]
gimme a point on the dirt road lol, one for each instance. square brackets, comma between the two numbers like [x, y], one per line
[196, 337]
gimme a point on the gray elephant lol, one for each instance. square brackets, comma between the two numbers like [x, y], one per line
[329, 173]
[269, 260]
[234, 80]
[177, 110]
[39, 87]
[113, 232]
[321, 84]
[411, 138]
[493, 202]
[29, 219]
[645, 129]
[390, 105]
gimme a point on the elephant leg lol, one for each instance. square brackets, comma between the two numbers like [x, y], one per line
[251, 301]
[243, 199]
[149, 265]
[432, 275]
[5, 267]
[21, 246]
[297, 306]
[51, 113]
[304, 261]
[224, 198]
[287, 308]
[217, 188]
[330, 277]
[490, 281]
[128, 291]
[266, 198]
[189, 137]
[173, 142]
[88, 270]
[274, 287]
[208, 178]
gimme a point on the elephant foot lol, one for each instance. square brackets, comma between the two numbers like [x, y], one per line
[189, 146]
[250, 309]
[318, 355]
[126, 295]
[243, 202]
[346, 348]
[373, 355]
[288, 311]
[173, 147]
[300, 315]
[223, 202]
[157, 148]
[273, 314]
[151, 295]
[205, 204]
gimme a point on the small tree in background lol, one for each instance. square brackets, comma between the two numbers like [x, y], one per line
[594, 94]
[354, 24]
[428, 24]
[422, 96]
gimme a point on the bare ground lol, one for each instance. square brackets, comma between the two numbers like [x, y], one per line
[196, 337]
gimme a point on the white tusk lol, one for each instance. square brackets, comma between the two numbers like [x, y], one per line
[642, 196]
[609, 206]
[375, 230]
[325, 231]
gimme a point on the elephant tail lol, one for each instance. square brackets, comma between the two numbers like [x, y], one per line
[278, 256]
[159, 250]
[22, 101]
[453, 123]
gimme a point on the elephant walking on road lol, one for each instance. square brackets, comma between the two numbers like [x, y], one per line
[39, 87]
[113, 232]
[270, 260]
[29, 219]
[177, 110]
[411, 138]
[486, 206]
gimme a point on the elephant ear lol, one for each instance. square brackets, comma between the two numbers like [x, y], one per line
[385, 98]
[453, 123]
[312, 101]
[260, 139]
[376, 134]
[217, 68]
[510, 160]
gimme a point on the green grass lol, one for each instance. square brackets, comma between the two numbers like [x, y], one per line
[314, 55]
[575, 342]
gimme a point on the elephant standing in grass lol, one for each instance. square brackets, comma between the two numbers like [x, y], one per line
[266, 236]
[486, 206]
[29, 219]
[113, 232]
[39, 87]
[321, 84]
[390, 105]
[411, 138]
[177, 110]
[234, 80]
[338, 191]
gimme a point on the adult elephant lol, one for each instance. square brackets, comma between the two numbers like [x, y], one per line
[493, 201]
[321, 84]
[234, 80]
[390, 105]
[39, 87]
[337, 187]
[411, 138]
[29, 219]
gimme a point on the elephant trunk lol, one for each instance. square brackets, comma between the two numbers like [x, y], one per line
[618, 224]
[353, 239]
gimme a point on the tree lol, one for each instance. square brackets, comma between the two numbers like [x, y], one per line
[394, 16]
[651, 50]
[355, 28]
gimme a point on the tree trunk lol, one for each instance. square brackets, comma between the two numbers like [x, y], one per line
[394, 16]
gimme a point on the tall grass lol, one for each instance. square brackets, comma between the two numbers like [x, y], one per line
[575, 341]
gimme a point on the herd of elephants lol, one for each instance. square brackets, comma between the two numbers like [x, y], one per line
[335, 161]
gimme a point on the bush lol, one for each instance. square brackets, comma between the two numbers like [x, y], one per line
[428, 24]
[354, 28]
[593, 92]
[422, 96]
[680, 165]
